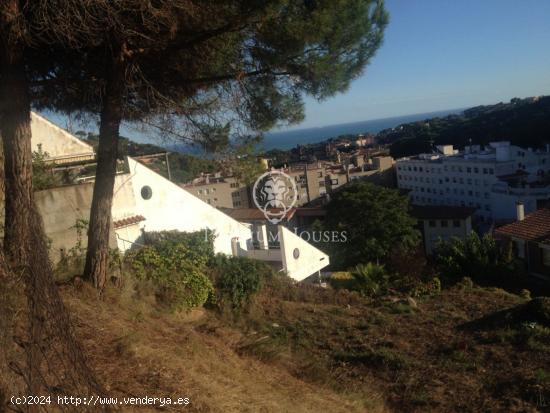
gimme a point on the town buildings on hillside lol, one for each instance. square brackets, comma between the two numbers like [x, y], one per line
[220, 191]
[492, 179]
[314, 181]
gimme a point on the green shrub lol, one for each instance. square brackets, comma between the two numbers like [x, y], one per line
[525, 294]
[176, 271]
[538, 309]
[200, 242]
[236, 280]
[479, 258]
[370, 280]
[430, 287]
[342, 280]
[467, 283]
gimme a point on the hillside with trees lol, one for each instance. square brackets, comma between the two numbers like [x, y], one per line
[524, 122]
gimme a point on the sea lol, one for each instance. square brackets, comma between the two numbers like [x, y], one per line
[285, 140]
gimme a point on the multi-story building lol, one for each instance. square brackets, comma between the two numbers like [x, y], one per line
[315, 181]
[442, 223]
[220, 191]
[492, 179]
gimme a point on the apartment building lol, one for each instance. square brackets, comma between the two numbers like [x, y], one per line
[492, 179]
[442, 223]
[310, 181]
[220, 191]
[315, 181]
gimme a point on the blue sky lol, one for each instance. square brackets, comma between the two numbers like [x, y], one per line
[446, 54]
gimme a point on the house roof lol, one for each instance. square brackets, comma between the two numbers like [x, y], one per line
[128, 221]
[534, 227]
[441, 212]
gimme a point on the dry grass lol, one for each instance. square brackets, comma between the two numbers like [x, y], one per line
[421, 359]
[138, 350]
[310, 350]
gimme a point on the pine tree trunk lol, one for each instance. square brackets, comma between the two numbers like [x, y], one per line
[15, 129]
[97, 256]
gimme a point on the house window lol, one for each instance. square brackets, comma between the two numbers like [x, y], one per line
[456, 223]
[444, 223]
[431, 223]
[146, 192]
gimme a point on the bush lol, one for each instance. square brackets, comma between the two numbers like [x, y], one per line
[538, 310]
[176, 271]
[479, 258]
[236, 280]
[342, 280]
[200, 242]
[431, 287]
[370, 280]
[467, 283]
[525, 294]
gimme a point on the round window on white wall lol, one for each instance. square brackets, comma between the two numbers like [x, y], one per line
[146, 192]
[296, 253]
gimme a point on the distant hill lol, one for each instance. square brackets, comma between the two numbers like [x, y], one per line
[524, 122]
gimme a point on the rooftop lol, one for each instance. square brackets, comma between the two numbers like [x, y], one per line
[534, 227]
[128, 221]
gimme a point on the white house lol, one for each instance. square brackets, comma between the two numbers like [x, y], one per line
[145, 201]
[58, 145]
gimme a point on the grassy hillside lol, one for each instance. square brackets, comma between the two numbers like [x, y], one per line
[305, 349]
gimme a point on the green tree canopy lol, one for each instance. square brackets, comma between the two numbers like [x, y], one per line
[376, 221]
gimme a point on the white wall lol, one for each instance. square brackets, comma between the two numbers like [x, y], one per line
[173, 208]
[309, 261]
[55, 141]
[504, 205]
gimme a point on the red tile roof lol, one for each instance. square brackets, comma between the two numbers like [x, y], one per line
[535, 227]
[128, 221]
